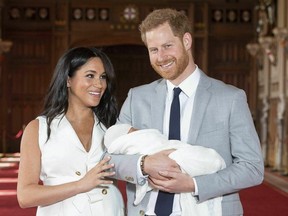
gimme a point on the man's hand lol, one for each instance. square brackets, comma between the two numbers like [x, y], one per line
[175, 182]
[160, 162]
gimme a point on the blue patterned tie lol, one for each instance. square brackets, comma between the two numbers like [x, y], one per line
[164, 202]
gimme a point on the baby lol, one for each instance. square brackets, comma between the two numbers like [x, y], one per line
[193, 160]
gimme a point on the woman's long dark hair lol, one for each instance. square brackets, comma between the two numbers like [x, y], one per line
[56, 100]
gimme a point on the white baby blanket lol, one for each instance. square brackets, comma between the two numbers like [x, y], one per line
[193, 160]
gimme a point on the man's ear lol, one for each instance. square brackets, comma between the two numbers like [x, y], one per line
[187, 40]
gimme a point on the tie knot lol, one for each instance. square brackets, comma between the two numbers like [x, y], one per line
[177, 91]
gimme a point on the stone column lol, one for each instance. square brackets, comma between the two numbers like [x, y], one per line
[281, 34]
[264, 76]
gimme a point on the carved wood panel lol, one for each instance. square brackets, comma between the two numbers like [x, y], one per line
[28, 74]
[229, 61]
[132, 67]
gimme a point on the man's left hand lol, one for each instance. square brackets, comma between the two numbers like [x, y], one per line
[177, 182]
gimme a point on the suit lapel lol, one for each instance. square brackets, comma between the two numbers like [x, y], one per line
[201, 101]
[158, 105]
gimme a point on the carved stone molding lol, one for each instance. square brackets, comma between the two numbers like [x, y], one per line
[264, 128]
[281, 33]
[268, 43]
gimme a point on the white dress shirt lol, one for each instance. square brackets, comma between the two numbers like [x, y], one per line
[186, 97]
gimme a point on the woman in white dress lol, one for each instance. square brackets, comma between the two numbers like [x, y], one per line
[63, 146]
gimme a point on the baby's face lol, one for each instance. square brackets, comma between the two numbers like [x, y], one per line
[132, 129]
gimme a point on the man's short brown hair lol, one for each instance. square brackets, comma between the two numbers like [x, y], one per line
[178, 22]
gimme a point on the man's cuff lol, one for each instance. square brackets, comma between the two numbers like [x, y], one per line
[141, 179]
[195, 193]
